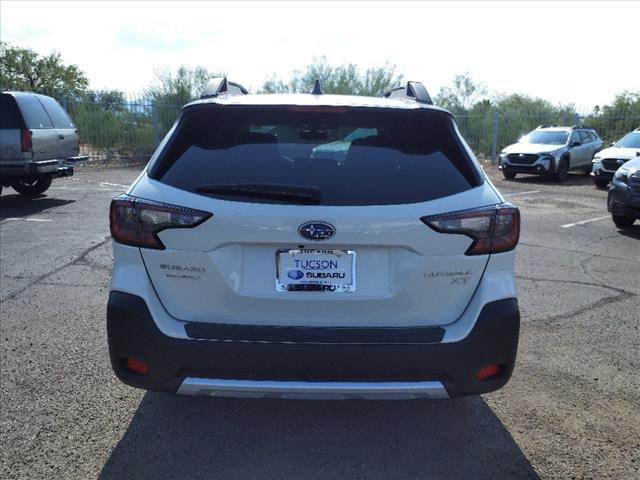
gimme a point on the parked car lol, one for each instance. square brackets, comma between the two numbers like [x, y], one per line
[623, 201]
[245, 264]
[551, 150]
[607, 161]
[38, 142]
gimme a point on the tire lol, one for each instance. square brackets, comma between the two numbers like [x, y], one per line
[34, 187]
[587, 171]
[601, 182]
[621, 221]
[562, 170]
[508, 175]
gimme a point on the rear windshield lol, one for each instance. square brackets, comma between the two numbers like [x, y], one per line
[33, 112]
[337, 155]
[9, 115]
[56, 112]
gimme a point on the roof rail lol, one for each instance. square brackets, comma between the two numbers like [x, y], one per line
[221, 86]
[415, 90]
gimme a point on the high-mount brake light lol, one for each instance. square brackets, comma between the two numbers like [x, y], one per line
[317, 109]
[493, 229]
[137, 222]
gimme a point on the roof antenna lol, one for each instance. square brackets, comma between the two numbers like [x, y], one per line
[316, 88]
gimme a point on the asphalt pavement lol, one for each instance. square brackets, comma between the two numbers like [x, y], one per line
[571, 410]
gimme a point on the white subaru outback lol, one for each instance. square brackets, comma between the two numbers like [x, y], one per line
[248, 264]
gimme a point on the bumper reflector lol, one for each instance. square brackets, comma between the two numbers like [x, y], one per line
[136, 366]
[491, 372]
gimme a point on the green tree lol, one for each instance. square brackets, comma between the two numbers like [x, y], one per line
[620, 117]
[24, 69]
[519, 114]
[517, 103]
[173, 90]
[346, 79]
[181, 87]
[109, 100]
[462, 95]
[112, 125]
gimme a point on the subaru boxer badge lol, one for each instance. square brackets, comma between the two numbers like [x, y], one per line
[316, 231]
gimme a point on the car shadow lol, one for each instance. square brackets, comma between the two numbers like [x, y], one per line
[631, 232]
[573, 179]
[17, 206]
[174, 437]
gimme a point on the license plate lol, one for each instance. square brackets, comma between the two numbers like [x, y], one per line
[315, 270]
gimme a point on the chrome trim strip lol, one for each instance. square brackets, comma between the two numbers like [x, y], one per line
[312, 390]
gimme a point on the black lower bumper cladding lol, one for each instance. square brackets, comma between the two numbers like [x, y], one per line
[133, 334]
[511, 168]
[621, 202]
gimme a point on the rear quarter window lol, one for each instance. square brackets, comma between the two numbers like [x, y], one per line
[33, 112]
[56, 113]
[9, 114]
[352, 156]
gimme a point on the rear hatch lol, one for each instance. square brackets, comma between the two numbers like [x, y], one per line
[67, 135]
[300, 239]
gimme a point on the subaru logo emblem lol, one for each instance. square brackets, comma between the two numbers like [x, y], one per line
[316, 231]
[295, 274]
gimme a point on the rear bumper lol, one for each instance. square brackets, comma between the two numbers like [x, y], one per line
[27, 169]
[266, 367]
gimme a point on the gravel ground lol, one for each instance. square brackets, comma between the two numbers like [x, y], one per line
[571, 410]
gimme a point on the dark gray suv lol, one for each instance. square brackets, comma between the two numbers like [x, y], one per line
[38, 142]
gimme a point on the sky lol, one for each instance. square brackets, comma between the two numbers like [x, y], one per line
[566, 52]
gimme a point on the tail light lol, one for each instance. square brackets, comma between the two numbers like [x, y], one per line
[25, 140]
[137, 222]
[493, 229]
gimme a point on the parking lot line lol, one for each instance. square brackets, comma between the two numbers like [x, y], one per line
[521, 193]
[107, 184]
[29, 219]
[84, 189]
[567, 225]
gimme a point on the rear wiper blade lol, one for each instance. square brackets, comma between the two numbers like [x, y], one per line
[303, 194]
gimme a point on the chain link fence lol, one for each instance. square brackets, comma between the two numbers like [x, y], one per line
[489, 133]
[128, 130]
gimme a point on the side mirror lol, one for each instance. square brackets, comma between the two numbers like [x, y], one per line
[612, 144]
[575, 144]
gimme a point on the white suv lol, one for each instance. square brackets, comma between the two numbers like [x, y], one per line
[607, 161]
[247, 264]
